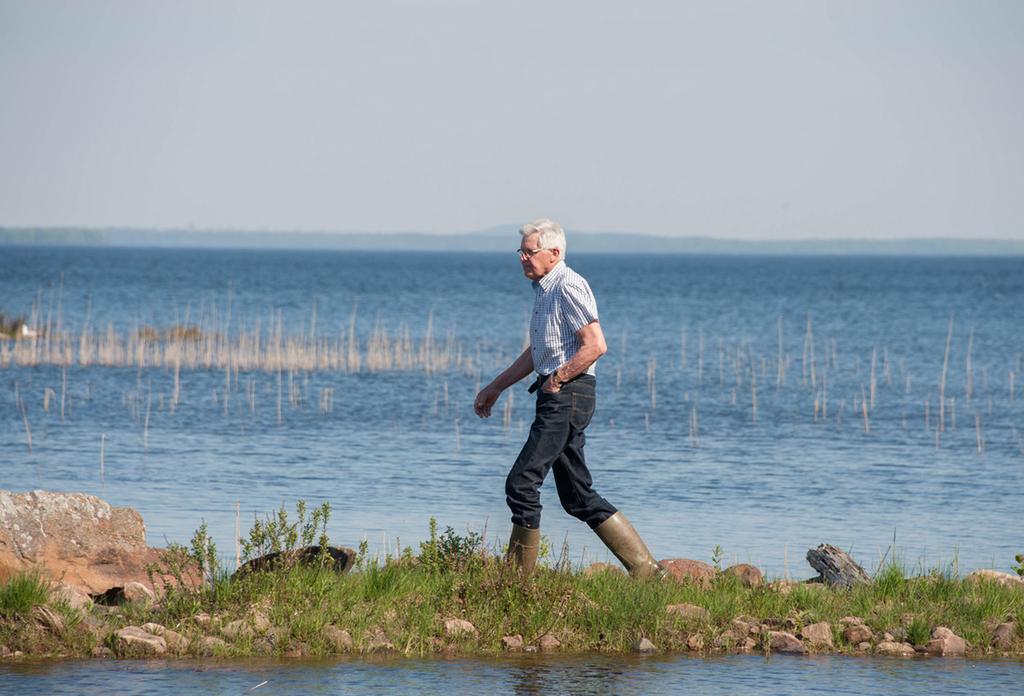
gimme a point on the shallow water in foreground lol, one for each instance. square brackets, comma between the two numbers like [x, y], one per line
[586, 674]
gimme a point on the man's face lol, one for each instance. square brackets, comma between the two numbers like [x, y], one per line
[536, 264]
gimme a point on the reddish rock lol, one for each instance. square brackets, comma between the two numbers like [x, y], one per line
[782, 642]
[512, 643]
[895, 649]
[549, 642]
[749, 575]
[686, 570]
[73, 538]
[819, 634]
[695, 642]
[689, 611]
[945, 643]
[857, 633]
[459, 627]
[339, 639]
[598, 568]
[1004, 579]
[175, 641]
[134, 641]
[1003, 635]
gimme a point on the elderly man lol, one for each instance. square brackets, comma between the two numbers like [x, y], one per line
[565, 342]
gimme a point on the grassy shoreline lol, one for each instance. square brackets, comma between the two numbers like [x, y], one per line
[417, 609]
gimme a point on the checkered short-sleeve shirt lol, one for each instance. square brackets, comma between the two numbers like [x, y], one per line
[564, 304]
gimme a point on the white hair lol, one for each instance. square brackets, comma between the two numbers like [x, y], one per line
[552, 236]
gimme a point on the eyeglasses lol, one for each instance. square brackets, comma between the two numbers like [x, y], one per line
[528, 253]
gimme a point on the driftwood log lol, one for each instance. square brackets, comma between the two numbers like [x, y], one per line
[340, 559]
[835, 567]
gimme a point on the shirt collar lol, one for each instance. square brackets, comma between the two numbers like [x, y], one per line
[551, 277]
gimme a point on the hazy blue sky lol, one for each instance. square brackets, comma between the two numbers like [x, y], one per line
[739, 119]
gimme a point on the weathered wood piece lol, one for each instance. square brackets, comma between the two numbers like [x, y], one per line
[835, 567]
[340, 559]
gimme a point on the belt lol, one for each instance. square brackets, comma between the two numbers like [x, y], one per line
[542, 378]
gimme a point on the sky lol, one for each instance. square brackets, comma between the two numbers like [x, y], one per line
[752, 120]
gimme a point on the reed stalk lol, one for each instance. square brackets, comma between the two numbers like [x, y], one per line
[942, 379]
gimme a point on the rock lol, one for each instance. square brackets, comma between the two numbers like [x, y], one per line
[644, 647]
[203, 619]
[512, 643]
[689, 611]
[459, 627]
[598, 568]
[864, 646]
[211, 645]
[857, 633]
[1003, 635]
[377, 641]
[73, 538]
[819, 634]
[836, 567]
[259, 621]
[4, 651]
[782, 642]
[783, 587]
[686, 570]
[102, 651]
[137, 592]
[851, 621]
[134, 641]
[1004, 579]
[695, 642]
[748, 644]
[72, 596]
[339, 639]
[340, 560]
[548, 642]
[298, 649]
[236, 630]
[48, 619]
[890, 647]
[175, 641]
[945, 643]
[749, 575]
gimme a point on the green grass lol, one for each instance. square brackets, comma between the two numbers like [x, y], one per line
[406, 600]
[23, 592]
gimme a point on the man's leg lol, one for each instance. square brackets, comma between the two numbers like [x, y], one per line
[548, 436]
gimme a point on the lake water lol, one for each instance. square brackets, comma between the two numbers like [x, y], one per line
[675, 443]
[586, 674]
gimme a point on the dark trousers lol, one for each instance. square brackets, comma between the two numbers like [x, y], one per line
[556, 441]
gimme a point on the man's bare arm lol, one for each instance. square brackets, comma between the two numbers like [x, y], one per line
[592, 347]
[520, 367]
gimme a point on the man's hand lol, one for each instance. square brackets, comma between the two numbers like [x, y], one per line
[485, 400]
[551, 384]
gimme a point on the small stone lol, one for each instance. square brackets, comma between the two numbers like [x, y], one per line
[857, 633]
[175, 641]
[137, 592]
[4, 651]
[259, 621]
[742, 628]
[339, 639]
[1003, 634]
[644, 646]
[48, 619]
[749, 575]
[102, 651]
[459, 627]
[863, 647]
[945, 643]
[530, 648]
[887, 637]
[689, 611]
[512, 643]
[748, 644]
[211, 645]
[132, 640]
[203, 619]
[851, 621]
[549, 642]
[1004, 579]
[687, 570]
[783, 587]
[819, 634]
[599, 568]
[235, 630]
[695, 642]
[73, 596]
[377, 641]
[782, 642]
[889, 647]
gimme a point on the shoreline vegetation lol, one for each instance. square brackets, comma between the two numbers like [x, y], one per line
[297, 596]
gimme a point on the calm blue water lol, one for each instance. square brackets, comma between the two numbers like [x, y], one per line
[588, 674]
[400, 447]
